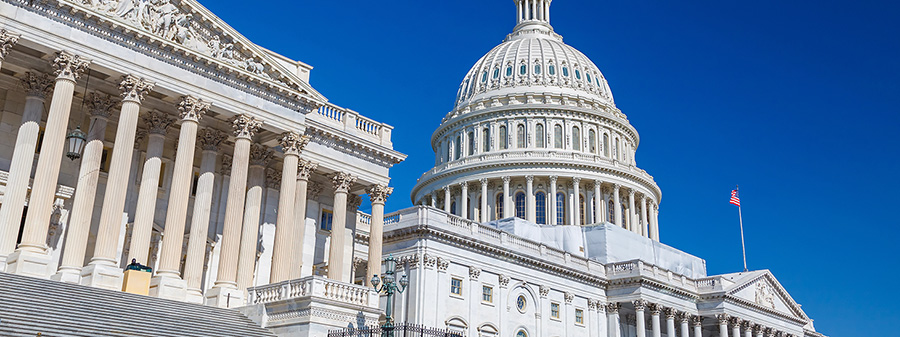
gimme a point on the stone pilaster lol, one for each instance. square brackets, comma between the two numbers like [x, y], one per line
[551, 199]
[291, 143]
[508, 207]
[208, 141]
[342, 183]
[31, 257]
[378, 194]
[464, 199]
[530, 208]
[576, 203]
[225, 292]
[86, 191]
[617, 200]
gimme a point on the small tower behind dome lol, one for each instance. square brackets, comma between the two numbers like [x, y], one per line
[533, 10]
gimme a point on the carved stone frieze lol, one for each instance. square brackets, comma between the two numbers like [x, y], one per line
[158, 122]
[260, 155]
[209, 139]
[245, 126]
[379, 193]
[134, 88]
[100, 104]
[69, 66]
[37, 85]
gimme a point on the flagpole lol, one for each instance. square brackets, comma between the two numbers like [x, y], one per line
[743, 247]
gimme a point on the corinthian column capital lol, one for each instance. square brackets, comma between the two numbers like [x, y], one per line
[260, 155]
[245, 126]
[612, 307]
[379, 193]
[342, 181]
[639, 305]
[37, 85]
[192, 108]
[292, 143]
[7, 41]
[209, 139]
[100, 104]
[158, 122]
[305, 168]
[69, 66]
[134, 88]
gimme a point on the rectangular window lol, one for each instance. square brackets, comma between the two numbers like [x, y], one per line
[105, 159]
[579, 316]
[456, 286]
[554, 310]
[40, 140]
[487, 294]
[194, 183]
[162, 174]
[327, 217]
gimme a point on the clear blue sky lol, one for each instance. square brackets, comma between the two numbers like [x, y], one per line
[795, 101]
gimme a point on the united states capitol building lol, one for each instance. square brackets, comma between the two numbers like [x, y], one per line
[151, 131]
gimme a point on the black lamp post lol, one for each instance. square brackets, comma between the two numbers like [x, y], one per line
[388, 288]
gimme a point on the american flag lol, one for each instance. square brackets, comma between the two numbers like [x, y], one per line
[734, 198]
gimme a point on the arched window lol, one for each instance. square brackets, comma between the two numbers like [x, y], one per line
[565, 71]
[539, 136]
[582, 210]
[457, 147]
[471, 143]
[578, 74]
[453, 207]
[498, 214]
[611, 212]
[449, 151]
[552, 70]
[484, 77]
[576, 138]
[624, 218]
[508, 71]
[592, 140]
[520, 205]
[486, 139]
[465, 212]
[523, 69]
[521, 333]
[520, 136]
[541, 208]
[557, 136]
[606, 145]
[560, 208]
[504, 140]
[477, 215]
[616, 150]
[537, 69]
[496, 73]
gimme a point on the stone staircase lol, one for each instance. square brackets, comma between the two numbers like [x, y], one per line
[29, 306]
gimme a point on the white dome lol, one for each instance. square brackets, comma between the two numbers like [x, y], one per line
[534, 59]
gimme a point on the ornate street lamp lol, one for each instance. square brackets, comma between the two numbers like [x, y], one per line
[75, 143]
[388, 288]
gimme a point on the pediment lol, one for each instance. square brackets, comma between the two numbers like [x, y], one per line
[189, 25]
[762, 289]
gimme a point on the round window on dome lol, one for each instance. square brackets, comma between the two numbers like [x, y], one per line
[508, 71]
[552, 70]
[537, 69]
[523, 70]
[577, 74]
[565, 72]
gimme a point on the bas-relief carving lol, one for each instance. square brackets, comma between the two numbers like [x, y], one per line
[765, 295]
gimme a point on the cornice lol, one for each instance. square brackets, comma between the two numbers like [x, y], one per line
[327, 136]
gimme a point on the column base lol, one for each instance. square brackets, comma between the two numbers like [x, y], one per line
[67, 275]
[195, 296]
[170, 287]
[28, 263]
[225, 297]
[102, 276]
[2, 263]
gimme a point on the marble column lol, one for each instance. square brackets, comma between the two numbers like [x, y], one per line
[100, 106]
[225, 292]
[645, 225]
[208, 141]
[378, 194]
[32, 257]
[168, 282]
[655, 327]
[612, 315]
[464, 200]
[508, 207]
[305, 169]
[342, 183]
[433, 199]
[685, 324]
[103, 270]
[748, 329]
[485, 214]
[618, 205]
[598, 202]
[723, 324]
[37, 87]
[447, 199]
[551, 200]
[640, 320]
[7, 41]
[530, 209]
[576, 199]
[654, 220]
[631, 220]
[670, 322]
[260, 155]
[697, 324]
[282, 259]
[157, 124]
[735, 326]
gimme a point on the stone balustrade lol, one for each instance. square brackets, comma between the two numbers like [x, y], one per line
[317, 287]
[353, 123]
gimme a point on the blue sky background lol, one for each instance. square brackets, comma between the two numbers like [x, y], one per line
[796, 101]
